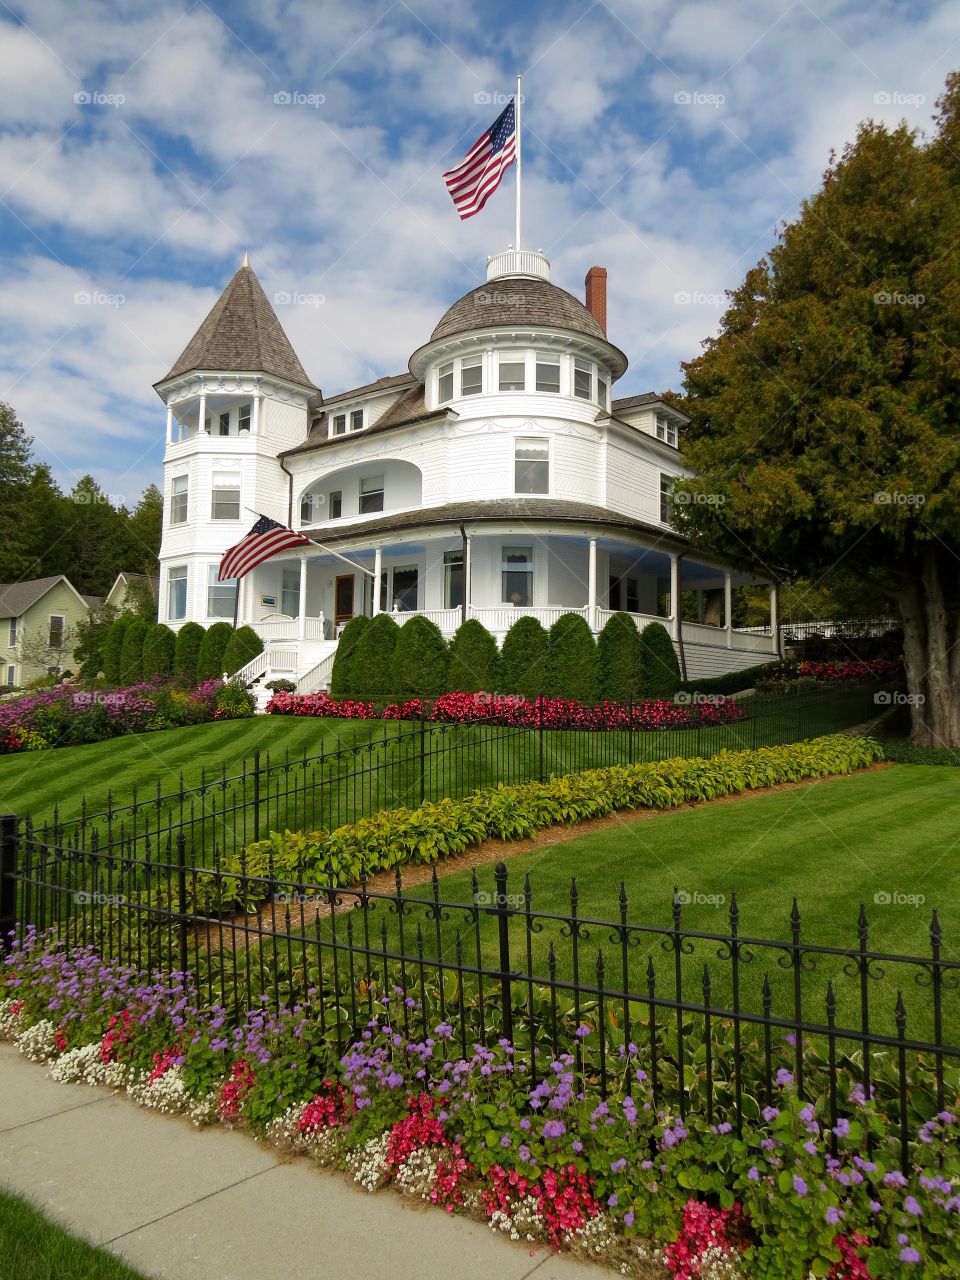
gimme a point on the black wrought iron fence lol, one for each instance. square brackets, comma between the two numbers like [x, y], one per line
[715, 1013]
[406, 762]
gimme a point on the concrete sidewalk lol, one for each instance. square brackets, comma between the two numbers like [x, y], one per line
[185, 1204]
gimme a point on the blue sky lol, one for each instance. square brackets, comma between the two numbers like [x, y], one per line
[143, 147]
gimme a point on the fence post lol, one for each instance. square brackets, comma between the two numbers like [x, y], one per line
[423, 755]
[256, 795]
[9, 847]
[540, 719]
[503, 931]
[182, 898]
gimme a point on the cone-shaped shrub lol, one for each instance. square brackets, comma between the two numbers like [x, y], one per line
[212, 648]
[420, 659]
[373, 662]
[523, 662]
[186, 652]
[244, 644]
[619, 659]
[158, 650]
[131, 651]
[659, 668]
[474, 660]
[572, 659]
[113, 646]
[342, 678]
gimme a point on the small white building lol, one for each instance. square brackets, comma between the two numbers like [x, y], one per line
[498, 476]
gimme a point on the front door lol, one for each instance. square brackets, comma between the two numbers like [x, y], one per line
[343, 607]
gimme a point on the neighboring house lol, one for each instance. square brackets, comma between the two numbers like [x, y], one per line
[496, 477]
[131, 590]
[38, 622]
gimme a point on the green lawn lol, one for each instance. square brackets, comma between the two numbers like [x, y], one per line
[832, 844]
[33, 1248]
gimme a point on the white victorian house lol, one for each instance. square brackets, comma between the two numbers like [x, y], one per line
[496, 477]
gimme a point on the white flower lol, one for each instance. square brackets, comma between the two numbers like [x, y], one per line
[37, 1042]
[369, 1164]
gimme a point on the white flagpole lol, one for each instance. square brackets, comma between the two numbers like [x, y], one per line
[516, 104]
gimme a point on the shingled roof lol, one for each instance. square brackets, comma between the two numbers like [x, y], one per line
[510, 301]
[17, 597]
[242, 335]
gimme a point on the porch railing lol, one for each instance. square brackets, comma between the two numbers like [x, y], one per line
[289, 629]
[502, 619]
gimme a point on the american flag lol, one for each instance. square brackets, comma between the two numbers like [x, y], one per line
[264, 540]
[478, 174]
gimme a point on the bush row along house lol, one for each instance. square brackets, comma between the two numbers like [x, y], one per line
[497, 476]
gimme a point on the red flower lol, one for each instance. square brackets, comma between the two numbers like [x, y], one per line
[326, 1109]
[564, 1198]
[233, 1091]
[704, 1227]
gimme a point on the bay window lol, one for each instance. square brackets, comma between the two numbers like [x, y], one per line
[548, 372]
[178, 500]
[225, 498]
[177, 593]
[221, 596]
[513, 371]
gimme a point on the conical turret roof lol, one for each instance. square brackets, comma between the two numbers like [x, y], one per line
[242, 334]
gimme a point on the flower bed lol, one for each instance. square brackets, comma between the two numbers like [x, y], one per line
[832, 673]
[515, 711]
[67, 716]
[617, 1179]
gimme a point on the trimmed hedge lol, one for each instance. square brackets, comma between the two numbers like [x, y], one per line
[523, 659]
[445, 828]
[620, 659]
[730, 681]
[474, 659]
[243, 646]
[131, 651]
[572, 660]
[342, 682]
[659, 667]
[158, 650]
[372, 662]
[903, 751]
[420, 659]
[212, 648]
[113, 646]
[186, 652]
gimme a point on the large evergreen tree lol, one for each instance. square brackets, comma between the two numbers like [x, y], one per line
[572, 659]
[420, 659]
[523, 658]
[474, 660]
[825, 411]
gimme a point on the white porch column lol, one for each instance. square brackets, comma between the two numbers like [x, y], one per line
[674, 596]
[302, 618]
[728, 606]
[377, 574]
[202, 413]
[774, 618]
[467, 577]
[169, 425]
[255, 424]
[592, 586]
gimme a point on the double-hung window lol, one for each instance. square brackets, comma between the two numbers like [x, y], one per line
[582, 379]
[339, 424]
[445, 383]
[512, 369]
[336, 504]
[471, 376]
[225, 497]
[356, 420]
[221, 596]
[453, 579]
[516, 576]
[225, 423]
[666, 501]
[531, 465]
[177, 593]
[666, 429]
[55, 637]
[243, 418]
[13, 632]
[290, 592]
[548, 372]
[603, 391]
[371, 494]
[178, 500]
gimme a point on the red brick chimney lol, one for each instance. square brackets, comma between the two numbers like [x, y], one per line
[596, 286]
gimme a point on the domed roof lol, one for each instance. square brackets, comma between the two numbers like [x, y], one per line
[518, 301]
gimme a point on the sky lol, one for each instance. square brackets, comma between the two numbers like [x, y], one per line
[144, 146]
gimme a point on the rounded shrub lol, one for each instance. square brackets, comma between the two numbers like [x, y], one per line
[131, 651]
[212, 648]
[372, 664]
[186, 652]
[572, 659]
[523, 661]
[420, 659]
[158, 651]
[112, 647]
[619, 659]
[659, 668]
[243, 646]
[342, 681]
[474, 665]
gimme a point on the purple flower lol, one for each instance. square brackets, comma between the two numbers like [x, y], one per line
[784, 1077]
[505, 1141]
[842, 1127]
[911, 1206]
[554, 1129]
[753, 1173]
[833, 1215]
[799, 1186]
[618, 1166]
[577, 1146]
[628, 1218]
[909, 1254]
[770, 1113]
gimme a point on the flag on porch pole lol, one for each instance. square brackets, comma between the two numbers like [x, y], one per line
[479, 173]
[267, 538]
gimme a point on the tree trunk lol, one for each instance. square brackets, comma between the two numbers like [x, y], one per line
[932, 670]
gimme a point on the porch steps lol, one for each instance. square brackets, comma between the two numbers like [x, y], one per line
[308, 666]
